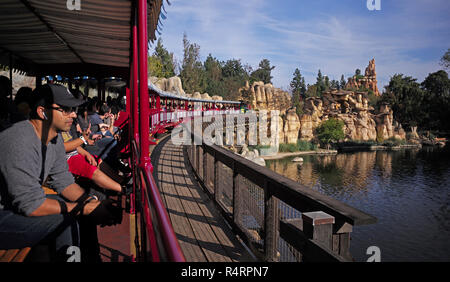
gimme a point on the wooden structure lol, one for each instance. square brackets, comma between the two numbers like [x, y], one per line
[278, 218]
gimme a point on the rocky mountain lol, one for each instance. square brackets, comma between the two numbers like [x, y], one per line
[368, 81]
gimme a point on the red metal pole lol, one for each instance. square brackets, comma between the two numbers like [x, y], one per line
[143, 84]
[134, 84]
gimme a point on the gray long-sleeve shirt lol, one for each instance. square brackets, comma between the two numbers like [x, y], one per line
[25, 163]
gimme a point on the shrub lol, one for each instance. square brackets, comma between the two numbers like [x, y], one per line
[287, 148]
[303, 145]
[330, 130]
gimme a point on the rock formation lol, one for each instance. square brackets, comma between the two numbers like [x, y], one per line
[369, 81]
[291, 127]
[266, 97]
[361, 122]
[172, 84]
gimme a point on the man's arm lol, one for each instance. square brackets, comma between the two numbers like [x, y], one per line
[89, 158]
[72, 145]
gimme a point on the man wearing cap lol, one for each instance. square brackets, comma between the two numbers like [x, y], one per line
[33, 152]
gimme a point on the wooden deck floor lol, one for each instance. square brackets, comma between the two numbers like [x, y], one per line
[202, 233]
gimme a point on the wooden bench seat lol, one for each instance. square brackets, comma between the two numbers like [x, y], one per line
[14, 255]
[19, 255]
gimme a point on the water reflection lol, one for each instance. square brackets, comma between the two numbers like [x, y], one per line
[408, 191]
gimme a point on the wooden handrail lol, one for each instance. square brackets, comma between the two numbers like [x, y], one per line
[292, 193]
[323, 241]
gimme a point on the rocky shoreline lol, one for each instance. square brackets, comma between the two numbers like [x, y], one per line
[278, 156]
[378, 148]
[299, 153]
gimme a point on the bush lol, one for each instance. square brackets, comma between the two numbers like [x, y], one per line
[303, 145]
[287, 148]
[300, 146]
[391, 142]
[330, 130]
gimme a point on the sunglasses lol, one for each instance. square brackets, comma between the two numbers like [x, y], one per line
[64, 109]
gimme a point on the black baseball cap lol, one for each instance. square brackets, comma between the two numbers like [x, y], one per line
[63, 97]
[55, 93]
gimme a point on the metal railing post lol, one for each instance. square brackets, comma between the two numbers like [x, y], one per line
[270, 224]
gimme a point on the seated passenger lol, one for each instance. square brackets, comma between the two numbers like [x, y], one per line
[22, 103]
[6, 106]
[83, 164]
[94, 118]
[33, 151]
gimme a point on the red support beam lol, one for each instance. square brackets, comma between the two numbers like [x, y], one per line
[143, 84]
[134, 82]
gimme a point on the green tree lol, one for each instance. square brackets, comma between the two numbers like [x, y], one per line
[298, 89]
[234, 77]
[445, 60]
[213, 76]
[357, 72]
[311, 91]
[342, 83]
[166, 58]
[155, 67]
[436, 102]
[192, 73]
[327, 83]
[330, 130]
[334, 84]
[320, 84]
[405, 98]
[263, 73]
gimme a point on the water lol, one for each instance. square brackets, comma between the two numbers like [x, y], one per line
[408, 191]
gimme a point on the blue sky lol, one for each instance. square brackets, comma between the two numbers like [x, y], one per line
[337, 37]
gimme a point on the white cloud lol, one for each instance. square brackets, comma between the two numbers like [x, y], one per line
[336, 44]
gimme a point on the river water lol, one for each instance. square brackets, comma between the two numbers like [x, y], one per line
[408, 191]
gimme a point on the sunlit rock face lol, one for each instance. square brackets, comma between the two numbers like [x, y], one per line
[266, 97]
[368, 81]
[171, 84]
[361, 121]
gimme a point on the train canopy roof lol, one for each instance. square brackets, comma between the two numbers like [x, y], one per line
[47, 37]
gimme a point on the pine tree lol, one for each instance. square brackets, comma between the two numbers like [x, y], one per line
[327, 83]
[342, 84]
[192, 73]
[166, 59]
[298, 89]
[263, 73]
[213, 76]
[320, 84]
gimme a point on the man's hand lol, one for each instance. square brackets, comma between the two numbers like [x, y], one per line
[90, 159]
[89, 207]
[97, 136]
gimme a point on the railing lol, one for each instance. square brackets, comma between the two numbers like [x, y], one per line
[278, 218]
[157, 239]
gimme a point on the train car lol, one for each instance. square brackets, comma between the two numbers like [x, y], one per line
[100, 39]
[70, 41]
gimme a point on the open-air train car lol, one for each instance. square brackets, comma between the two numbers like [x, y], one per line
[104, 39]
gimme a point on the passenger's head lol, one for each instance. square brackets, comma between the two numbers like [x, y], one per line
[5, 86]
[55, 105]
[23, 100]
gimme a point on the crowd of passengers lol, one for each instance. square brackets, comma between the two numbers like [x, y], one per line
[176, 106]
[58, 138]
